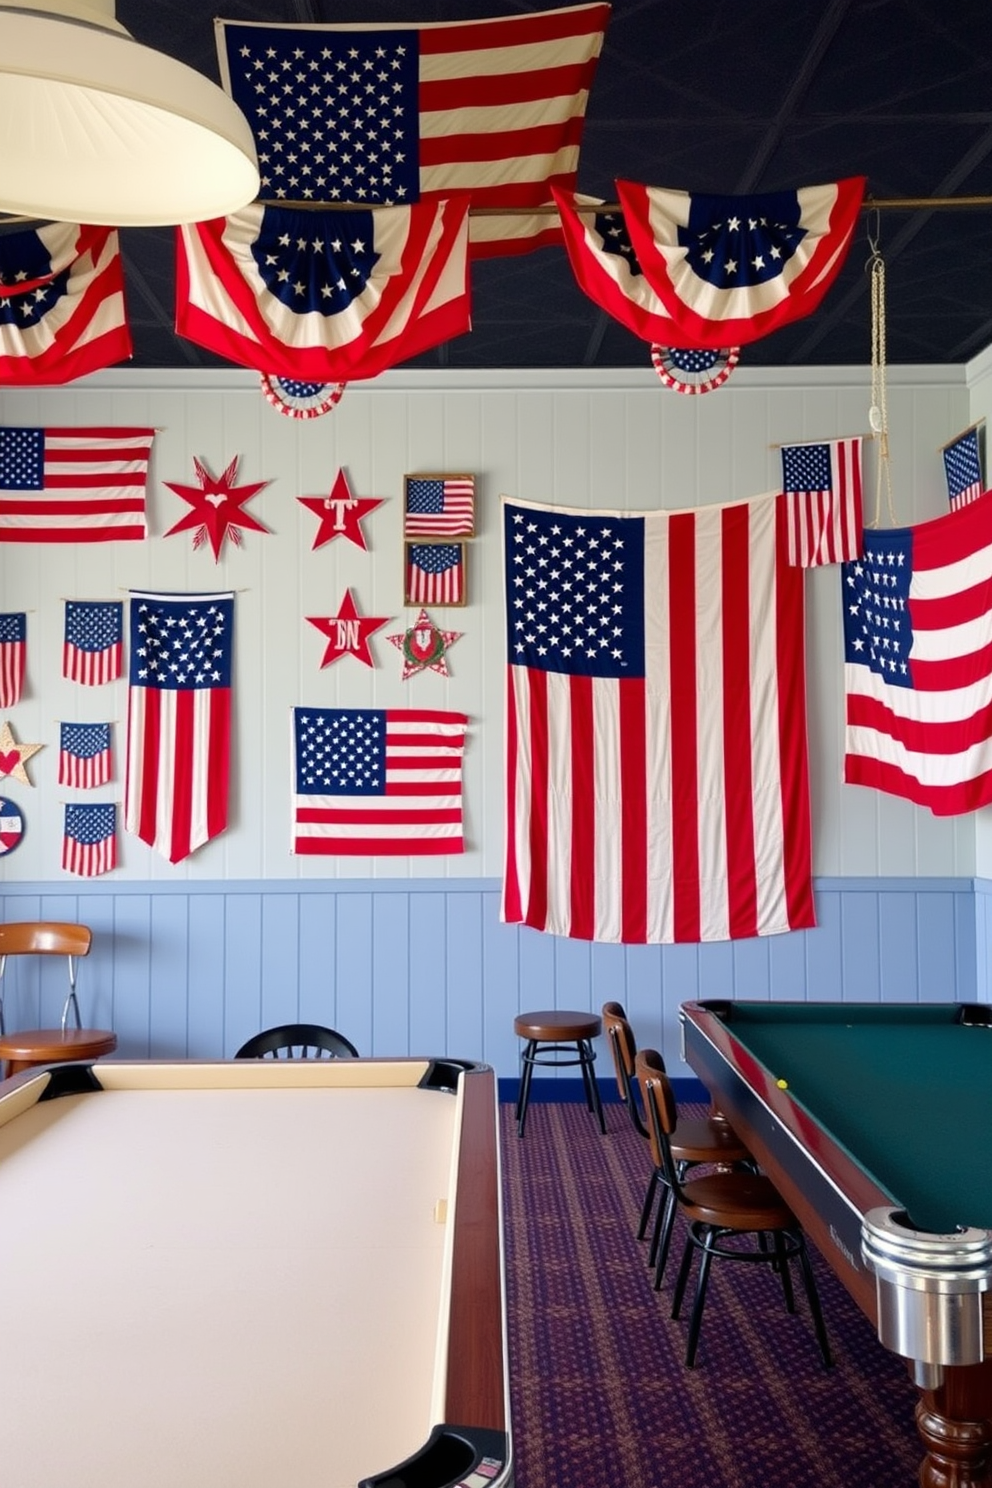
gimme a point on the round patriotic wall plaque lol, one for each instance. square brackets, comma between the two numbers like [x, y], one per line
[11, 826]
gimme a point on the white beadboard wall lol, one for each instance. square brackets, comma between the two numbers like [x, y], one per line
[408, 954]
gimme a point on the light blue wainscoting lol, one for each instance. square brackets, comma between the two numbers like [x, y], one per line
[424, 966]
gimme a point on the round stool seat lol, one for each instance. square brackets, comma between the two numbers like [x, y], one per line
[554, 1036]
[34, 1046]
[548, 1027]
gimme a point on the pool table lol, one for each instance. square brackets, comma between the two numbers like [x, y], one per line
[875, 1122]
[254, 1272]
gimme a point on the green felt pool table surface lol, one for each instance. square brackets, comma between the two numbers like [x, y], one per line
[906, 1089]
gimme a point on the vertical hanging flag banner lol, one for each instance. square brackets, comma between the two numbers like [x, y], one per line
[656, 768]
[93, 648]
[73, 485]
[179, 720]
[439, 506]
[435, 574]
[964, 468]
[84, 755]
[918, 661]
[89, 839]
[494, 107]
[62, 308]
[823, 497]
[13, 657]
[377, 781]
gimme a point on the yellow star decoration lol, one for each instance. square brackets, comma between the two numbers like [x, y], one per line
[14, 756]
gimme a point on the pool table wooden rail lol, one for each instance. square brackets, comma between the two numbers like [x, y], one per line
[829, 1193]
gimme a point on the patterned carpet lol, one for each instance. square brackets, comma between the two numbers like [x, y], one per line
[600, 1396]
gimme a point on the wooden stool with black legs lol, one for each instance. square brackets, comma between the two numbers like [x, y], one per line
[558, 1038]
[722, 1208]
[700, 1140]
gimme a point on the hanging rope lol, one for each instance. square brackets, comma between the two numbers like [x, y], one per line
[878, 413]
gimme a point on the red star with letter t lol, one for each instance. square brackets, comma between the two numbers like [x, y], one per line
[217, 507]
[341, 513]
[348, 632]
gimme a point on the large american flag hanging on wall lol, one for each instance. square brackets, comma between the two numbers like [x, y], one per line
[377, 781]
[918, 661]
[657, 779]
[61, 303]
[494, 107]
[179, 720]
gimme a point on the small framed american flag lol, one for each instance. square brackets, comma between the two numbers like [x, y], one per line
[438, 506]
[434, 574]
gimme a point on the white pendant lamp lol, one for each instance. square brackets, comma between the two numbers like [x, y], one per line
[95, 127]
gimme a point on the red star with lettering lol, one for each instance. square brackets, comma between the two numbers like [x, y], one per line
[341, 513]
[348, 632]
[217, 507]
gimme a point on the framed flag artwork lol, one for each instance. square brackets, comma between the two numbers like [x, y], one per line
[434, 574]
[438, 506]
[11, 826]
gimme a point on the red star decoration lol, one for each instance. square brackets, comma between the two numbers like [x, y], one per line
[348, 632]
[341, 513]
[216, 507]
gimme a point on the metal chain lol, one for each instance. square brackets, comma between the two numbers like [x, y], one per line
[878, 413]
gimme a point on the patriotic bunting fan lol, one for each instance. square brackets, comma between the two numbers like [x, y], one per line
[301, 400]
[694, 371]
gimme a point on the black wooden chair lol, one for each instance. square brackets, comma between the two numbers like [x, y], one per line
[700, 1140]
[722, 1210]
[298, 1041]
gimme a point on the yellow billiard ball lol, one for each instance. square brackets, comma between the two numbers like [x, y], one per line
[782, 1084]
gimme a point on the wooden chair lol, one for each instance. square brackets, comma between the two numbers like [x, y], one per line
[298, 1041]
[46, 938]
[721, 1208]
[700, 1139]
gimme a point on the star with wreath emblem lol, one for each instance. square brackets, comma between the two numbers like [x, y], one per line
[348, 632]
[424, 646]
[217, 507]
[14, 756]
[341, 514]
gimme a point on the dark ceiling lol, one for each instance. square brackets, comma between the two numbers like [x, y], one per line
[717, 96]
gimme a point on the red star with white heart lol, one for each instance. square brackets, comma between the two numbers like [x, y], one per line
[348, 632]
[341, 513]
[217, 507]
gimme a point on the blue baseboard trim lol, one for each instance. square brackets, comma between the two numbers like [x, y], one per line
[687, 1091]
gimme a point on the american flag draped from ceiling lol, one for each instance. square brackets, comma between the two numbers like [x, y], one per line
[179, 720]
[13, 657]
[61, 303]
[494, 107]
[324, 295]
[657, 779]
[918, 661]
